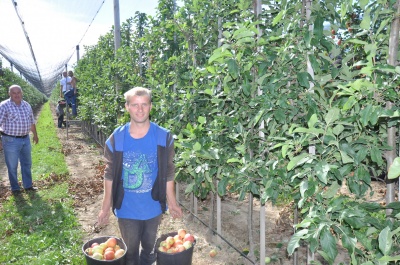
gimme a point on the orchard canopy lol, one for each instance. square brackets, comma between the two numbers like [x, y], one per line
[284, 100]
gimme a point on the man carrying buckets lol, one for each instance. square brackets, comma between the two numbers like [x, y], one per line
[139, 178]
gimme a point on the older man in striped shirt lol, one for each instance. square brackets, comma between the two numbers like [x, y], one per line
[16, 121]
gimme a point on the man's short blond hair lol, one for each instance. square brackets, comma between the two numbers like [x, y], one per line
[137, 91]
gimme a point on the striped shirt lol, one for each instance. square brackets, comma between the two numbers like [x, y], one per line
[16, 120]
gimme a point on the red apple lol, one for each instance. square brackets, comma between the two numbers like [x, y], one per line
[180, 248]
[188, 237]
[111, 242]
[177, 237]
[181, 233]
[162, 249]
[164, 244]
[213, 253]
[119, 253]
[109, 255]
[109, 249]
[177, 243]
[171, 251]
[94, 244]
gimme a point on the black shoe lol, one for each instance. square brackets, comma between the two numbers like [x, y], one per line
[16, 192]
[31, 189]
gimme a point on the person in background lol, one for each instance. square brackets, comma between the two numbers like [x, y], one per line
[16, 121]
[60, 113]
[66, 90]
[139, 178]
[74, 89]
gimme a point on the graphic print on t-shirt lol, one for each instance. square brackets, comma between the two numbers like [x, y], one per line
[137, 172]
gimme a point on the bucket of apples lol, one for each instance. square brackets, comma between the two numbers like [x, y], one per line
[105, 250]
[175, 248]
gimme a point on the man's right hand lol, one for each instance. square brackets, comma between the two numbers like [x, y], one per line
[103, 218]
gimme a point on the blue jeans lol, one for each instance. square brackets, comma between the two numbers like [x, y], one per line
[138, 233]
[70, 98]
[18, 149]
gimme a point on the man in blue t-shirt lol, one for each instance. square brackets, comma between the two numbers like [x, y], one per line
[139, 178]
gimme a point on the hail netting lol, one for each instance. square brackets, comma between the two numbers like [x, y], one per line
[39, 37]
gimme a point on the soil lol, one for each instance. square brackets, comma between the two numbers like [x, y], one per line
[84, 158]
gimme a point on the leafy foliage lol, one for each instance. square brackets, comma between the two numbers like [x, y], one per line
[250, 117]
[30, 94]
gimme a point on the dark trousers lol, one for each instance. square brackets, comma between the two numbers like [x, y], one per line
[139, 234]
[61, 121]
[70, 98]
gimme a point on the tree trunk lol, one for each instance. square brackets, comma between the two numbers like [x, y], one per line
[392, 60]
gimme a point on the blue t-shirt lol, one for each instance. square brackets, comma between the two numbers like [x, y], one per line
[138, 175]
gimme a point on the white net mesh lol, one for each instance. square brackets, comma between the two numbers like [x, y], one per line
[24, 24]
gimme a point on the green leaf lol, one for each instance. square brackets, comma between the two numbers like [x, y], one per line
[322, 170]
[298, 160]
[385, 241]
[345, 158]
[295, 239]
[363, 4]
[233, 160]
[366, 22]
[222, 186]
[348, 242]
[332, 115]
[218, 55]
[246, 89]
[365, 113]
[361, 155]
[242, 33]
[376, 155]
[303, 79]
[386, 258]
[331, 191]
[201, 120]
[318, 26]
[233, 68]
[197, 146]
[278, 17]
[357, 41]
[394, 169]
[328, 244]
[338, 129]
[312, 121]
[349, 103]
[393, 205]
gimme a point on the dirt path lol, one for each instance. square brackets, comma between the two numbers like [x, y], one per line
[85, 162]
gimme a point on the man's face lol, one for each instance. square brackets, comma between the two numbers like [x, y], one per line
[16, 95]
[139, 108]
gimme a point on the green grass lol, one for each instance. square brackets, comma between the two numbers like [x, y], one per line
[41, 228]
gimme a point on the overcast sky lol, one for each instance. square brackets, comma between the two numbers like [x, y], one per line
[105, 18]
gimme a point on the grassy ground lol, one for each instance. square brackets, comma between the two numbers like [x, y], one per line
[41, 227]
